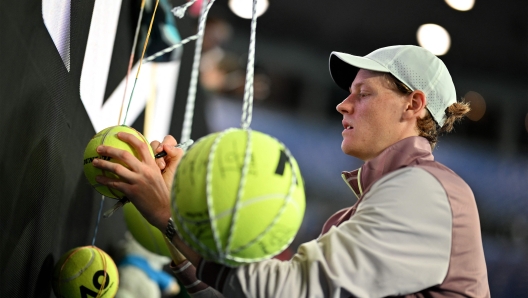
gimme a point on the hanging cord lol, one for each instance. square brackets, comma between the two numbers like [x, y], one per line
[191, 95]
[170, 49]
[179, 12]
[245, 123]
[98, 220]
[247, 109]
[287, 199]
[140, 61]
[241, 187]
[138, 26]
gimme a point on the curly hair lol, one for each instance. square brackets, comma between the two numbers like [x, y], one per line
[427, 126]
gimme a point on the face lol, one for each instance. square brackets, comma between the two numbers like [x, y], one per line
[372, 116]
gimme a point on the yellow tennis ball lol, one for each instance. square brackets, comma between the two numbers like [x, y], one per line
[235, 210]
[85, 271]
[108, 137]
[143, 232]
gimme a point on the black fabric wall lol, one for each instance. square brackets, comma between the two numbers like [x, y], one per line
[47, 207]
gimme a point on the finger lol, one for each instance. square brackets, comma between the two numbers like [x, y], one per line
[113, 167]
[172, 158]
[140, 146]
[169, 140]
[156, 146]
[112, 183]
[168, 145]
[172, 152]
[121, 155]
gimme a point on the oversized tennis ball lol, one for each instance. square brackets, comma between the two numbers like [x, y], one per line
[85, 271]
[238, 197]
[143, 232]
[108, 137]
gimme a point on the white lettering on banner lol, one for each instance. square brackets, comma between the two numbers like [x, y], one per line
[56, 16]
[94, 77]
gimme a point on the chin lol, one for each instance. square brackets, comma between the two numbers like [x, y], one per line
[354, 152]
[348, 150]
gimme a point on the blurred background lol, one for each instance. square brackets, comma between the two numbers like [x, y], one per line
[49, 116]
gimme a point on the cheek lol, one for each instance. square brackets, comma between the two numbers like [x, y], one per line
[377, 124]
[372, 119]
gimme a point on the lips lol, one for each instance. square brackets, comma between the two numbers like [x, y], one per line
[347, 125]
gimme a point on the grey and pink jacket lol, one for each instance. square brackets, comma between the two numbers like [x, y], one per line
[414, 231]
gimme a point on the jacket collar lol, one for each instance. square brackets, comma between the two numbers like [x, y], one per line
[406, 152]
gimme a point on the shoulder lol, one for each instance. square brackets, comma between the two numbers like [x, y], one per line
[407, 180]
[452, 183]
[439, 170]
[407, 194]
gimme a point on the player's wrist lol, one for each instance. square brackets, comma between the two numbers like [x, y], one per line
[160, 218]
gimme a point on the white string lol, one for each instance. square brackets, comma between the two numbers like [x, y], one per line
[247, 113]
[220, 254]
[226, 255]
[170, 49]
[289, 197]
[245, 123]
[191, 95]
[98, 220]
[241, 186]
[247, 109]
[179, 11]
[134, 44]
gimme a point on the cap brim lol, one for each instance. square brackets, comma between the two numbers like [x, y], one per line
[344, 67]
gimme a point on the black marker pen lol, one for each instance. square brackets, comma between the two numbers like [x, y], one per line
[183, 145]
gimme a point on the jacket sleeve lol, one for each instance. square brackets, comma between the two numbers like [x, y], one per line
[398, 242]
[186, 274]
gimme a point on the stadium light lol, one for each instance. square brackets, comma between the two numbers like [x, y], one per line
[434, 38]
[244, 8]
[462, 5]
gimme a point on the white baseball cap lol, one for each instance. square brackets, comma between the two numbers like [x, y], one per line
[414, 66]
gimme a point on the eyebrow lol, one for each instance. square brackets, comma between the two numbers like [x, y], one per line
[358, 85]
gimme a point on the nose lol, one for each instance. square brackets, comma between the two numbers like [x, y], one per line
[345, 107]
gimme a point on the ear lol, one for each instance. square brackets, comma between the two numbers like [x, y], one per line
[415, 105]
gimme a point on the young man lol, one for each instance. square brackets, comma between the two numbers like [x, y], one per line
[414, 230]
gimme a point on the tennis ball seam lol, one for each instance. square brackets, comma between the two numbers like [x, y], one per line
[83, 269]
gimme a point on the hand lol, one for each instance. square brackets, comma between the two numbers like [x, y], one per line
[141, 179]
[169, 162]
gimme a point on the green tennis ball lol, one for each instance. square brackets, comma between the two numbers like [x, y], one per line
[231, 218]
[85, 271]
[108, 137]
[143, 232]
